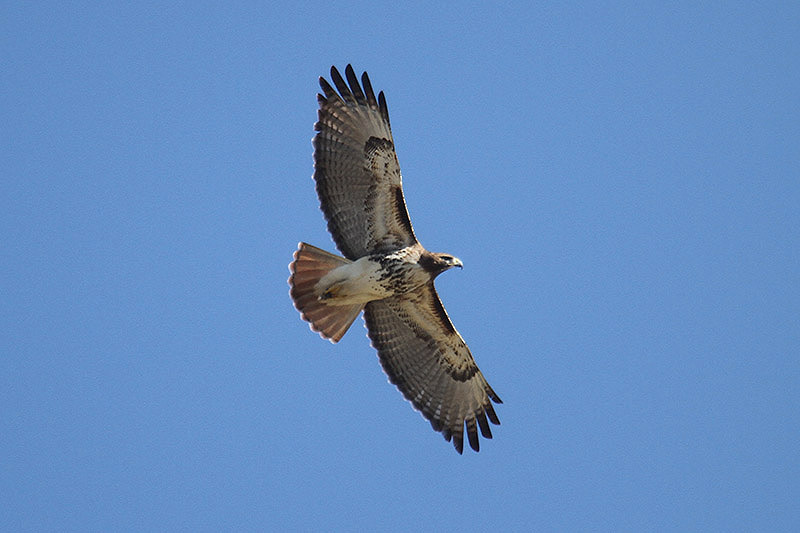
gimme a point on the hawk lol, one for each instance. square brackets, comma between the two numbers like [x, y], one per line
[385, 271]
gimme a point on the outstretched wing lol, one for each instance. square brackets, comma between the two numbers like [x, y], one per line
[424, 355]
[355, 166]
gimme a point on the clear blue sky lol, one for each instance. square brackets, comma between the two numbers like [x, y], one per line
[622, 184]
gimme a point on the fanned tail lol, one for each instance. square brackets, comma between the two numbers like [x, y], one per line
[309, 266]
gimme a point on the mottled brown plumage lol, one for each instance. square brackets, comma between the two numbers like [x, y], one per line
[385, 271]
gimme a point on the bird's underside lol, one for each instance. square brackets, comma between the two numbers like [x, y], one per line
[385, 272]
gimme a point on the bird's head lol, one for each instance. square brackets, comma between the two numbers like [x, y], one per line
[450, 261]
[438, 263]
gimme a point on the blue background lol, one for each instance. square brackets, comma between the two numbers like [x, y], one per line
[622, 183]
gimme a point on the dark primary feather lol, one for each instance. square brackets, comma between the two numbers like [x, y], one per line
[344, 90]
[371, 95]
[354, 86]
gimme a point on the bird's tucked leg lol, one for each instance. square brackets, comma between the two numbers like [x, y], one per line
[331, 292]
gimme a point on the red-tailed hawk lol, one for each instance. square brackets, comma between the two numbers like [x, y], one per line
[385, 271]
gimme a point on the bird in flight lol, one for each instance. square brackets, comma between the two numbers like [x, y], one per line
[385, 271]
